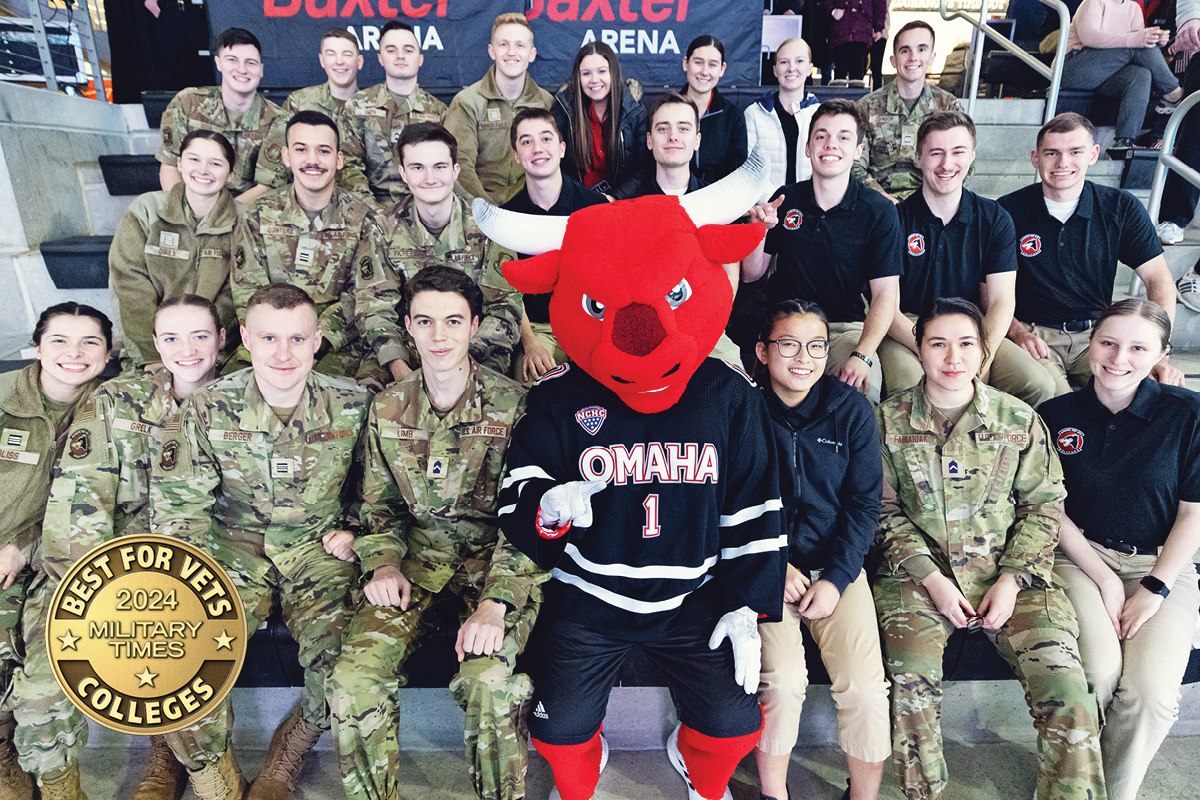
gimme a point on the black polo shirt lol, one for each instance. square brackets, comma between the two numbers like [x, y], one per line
[952, 260]
[648, 183]
[1126, 473]
[829, 256]
[574, 196]
[1065, 272]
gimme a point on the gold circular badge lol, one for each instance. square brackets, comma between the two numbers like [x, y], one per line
[146, 634]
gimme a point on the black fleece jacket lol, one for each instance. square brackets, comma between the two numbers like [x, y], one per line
[627, 165]
[723, 142]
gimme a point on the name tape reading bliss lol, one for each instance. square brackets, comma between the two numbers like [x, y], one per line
[146, 634]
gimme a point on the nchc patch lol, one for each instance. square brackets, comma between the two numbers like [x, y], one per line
[591, 418]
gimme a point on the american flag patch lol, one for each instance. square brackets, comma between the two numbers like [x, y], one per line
[591, 418]
[173, 423]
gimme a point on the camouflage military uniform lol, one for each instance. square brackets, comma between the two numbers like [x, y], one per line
[160, 250]
[312, 98]
[32, 437]
[974, 504]
[370, 124]
[410, 246]
[335, 258]
[201, 108]
[101, 490]
[258, 496]
[429, 508]
[891, 138]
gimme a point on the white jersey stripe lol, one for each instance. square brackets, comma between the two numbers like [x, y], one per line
[524, 474]
[747, 514]
[760, 546]
[620, 600]
[652, 572]
[506, 510]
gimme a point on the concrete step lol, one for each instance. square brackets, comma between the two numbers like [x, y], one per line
[1009, 112]
[32, 290]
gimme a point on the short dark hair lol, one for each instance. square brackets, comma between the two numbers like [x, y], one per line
[397, 25]
[312, 118]
[72, 309]
[834, 107]
[280, 296]
[1065, 123]
[235, 36]
[190, 301]
[944, 121]
[419, 132]
[444, 279]
[915, 25]
[211, 136]
[532, 112]
[1139, 307]
[340, 33]
[953, 307]
[672, 99]
[705, 41]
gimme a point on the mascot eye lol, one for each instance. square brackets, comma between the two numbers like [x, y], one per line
[677, 296]
[593, 308]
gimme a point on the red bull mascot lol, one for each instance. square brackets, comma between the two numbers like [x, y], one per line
[643, 477]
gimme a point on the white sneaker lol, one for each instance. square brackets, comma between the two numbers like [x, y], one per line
[554, 795]
[1187, 289]
[677, 762]
[1169, 233]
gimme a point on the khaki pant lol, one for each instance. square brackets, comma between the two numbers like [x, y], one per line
[843, 340]
[1068, 362]
[1137, 681]
[1013, 371]
[849, 643]
[541, 332]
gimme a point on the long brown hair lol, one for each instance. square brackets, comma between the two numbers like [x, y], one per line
[610, 126]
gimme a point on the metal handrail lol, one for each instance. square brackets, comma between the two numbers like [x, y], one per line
[1168, 161]
[1053, 73]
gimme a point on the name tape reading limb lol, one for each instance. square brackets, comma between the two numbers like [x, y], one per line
[146, 634]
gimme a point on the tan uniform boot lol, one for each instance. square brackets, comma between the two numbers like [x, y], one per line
[165, 777]
[220, 780]
[14, 783]
[63, 785]
[294, 737]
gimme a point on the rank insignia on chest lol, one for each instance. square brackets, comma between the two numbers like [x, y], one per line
[283, 467]
[493, 115]
[591, 418]
[304, 257]
[168, 239]
[15, 439]
[951, 467]
[437, 468]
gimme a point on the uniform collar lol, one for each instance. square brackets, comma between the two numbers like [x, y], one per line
[249, 118]
[979, 410]
[311, 411]
[26, 398]
[293, 213]
[455, 230]
[221, 219]
[895, 105]
[469, 408]
[491, 90]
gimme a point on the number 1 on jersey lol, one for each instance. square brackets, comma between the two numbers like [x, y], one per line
[651, 528]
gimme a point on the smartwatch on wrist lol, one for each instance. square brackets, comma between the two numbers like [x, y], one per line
[1155, 586]
[864, 357]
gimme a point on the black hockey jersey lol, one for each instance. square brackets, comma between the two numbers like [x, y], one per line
[690, 521]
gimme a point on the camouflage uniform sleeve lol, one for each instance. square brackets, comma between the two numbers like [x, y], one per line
[898, 539]
[249, 271]
[862, 165]
[133, 295]
[83, 498]
[174, 127]
[353, 175]
[377, 301]
[502, 310]
[384, 512]
[268, 168]
[465, 128]
[511, 575]
[1038, 491]
[184, 481]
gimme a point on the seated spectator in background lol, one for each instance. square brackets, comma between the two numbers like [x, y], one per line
[1070, 235]
[1130, 452]
[957, 244]
[322, 239]
[538, 147]
[835, 240]
[480, 116]
[831, 479]
[372, 120]
[1112, 52]
[855, 26]
[722, 124]
[432, 225]
[894, 113]
[778, 121]
[341, 60]
[1179, 197]
[235, 109]
[602, 123]
[173, 243]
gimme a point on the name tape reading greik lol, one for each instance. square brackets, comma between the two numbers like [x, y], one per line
[146, 634]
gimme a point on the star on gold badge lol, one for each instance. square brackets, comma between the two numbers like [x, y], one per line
[146, 678]
[224, 640]
[68, 641]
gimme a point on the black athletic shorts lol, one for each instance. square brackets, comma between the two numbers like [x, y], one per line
[576, 667]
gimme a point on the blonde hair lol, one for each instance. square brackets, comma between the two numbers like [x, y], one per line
[792, 40]
[511, 18]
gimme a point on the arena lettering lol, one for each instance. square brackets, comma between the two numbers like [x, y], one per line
[368, 39]
[637, 41]
[316, 9]
[646, 463]
[568, 10]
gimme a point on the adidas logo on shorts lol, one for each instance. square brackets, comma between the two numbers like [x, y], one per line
[540, 711]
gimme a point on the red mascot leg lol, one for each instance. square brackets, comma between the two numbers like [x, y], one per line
[711, 761]
[576, 766]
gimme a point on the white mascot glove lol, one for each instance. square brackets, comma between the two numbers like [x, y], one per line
[569, 502]
[741, 627]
